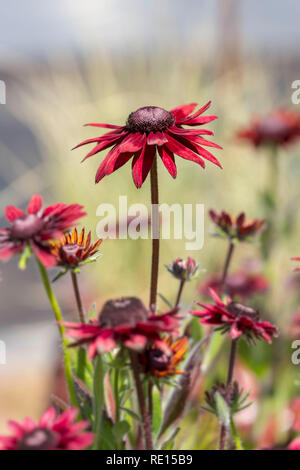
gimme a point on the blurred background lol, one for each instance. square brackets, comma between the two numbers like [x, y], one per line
[65, 63]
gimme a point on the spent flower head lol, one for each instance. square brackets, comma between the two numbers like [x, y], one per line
[150, 129]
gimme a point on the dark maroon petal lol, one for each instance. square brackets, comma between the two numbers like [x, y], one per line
[156, 138]
[142, 163]
[35, 204]
[179, 149]
[168, 160]
[12, 213]
[181, 112]
[241, 219]
[101, 172]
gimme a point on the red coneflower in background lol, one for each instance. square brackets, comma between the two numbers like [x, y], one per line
[52, 432]
[36, 228]
[123, 321]
[235, 318]
[240, 283]
[278, 128]
[149, 129]
[296, 259]
[74, 249]
[237, 227]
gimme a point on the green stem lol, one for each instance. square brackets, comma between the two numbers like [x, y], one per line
[98, 400]
[81, 355]
[116, 393]
[178, 298]
[236, 437]
[64, 341]
[226, 265]
[155, 235]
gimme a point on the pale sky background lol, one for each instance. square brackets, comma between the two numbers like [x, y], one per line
[35, 28]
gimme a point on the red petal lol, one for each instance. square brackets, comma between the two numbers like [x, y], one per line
[168, 160]
[183, 111]
[102, 146]
[132, 143]
[207, 143]
[12, 213]
[200, 111]
[45, 258]
[142, 163]
[179, 149]
[8, 251]
[200, 120]
[35, 204]
[156, 138]
[136, 342]
[108, 126]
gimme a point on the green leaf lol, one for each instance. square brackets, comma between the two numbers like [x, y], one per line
[120, 429]
[92, 258]
[196, 330]
[131, 413]
[214, 347]
[165, 300]
[25, 255]
[170, 441]
[98, 401]
[223, 411]
[59, 275]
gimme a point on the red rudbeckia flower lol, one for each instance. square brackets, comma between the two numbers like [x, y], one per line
[37, 228]
[279, 128]
[237, 227]
[122, 321]
[236, 318]
[149, 129]
[52, 432]
[241, 284]
[296, 259]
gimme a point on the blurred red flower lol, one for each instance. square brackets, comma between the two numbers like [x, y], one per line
[162, 362]
[37, 228]
[239, 284]
[52, 432]
[280, 127]
[296, 259]
[235, 318]
[237, 227]
[184, 270]
[125, 321]
[149, 129]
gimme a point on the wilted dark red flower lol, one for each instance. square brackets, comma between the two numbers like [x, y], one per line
[149, 129]
[237, 227]
[74, 249]
[122, 321]
[183, 270]
[280, 127]
[52, 432]
[235, 318]
[163, 361]
[239, 284]
[36, 228]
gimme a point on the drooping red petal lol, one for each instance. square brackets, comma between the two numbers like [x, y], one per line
[108, 126]
[102, 146]
[156, 138]
[136, 342]
[12, 213]
[188, 142]
[200, 111]
[142, 163]
[35, 204]
[205, 142]
[9, 250]
[179, 149]
[200, 120]
[168, 160]
[46, 258]
[132, 142]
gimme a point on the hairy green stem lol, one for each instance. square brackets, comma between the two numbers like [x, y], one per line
[64, 341]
